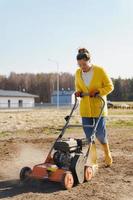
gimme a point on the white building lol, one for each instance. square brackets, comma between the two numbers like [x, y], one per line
[16, 99]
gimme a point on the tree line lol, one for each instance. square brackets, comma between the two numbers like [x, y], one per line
[43, 84]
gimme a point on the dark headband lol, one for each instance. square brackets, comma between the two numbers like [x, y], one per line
[81, 56]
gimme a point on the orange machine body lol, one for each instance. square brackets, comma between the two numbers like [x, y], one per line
[48, 171]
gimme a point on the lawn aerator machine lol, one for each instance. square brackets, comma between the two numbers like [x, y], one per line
[66, 163]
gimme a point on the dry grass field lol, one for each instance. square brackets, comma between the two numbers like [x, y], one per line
[26, 136]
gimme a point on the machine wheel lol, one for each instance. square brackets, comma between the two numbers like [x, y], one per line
[67, 181]
[88, 173]
[24, 173]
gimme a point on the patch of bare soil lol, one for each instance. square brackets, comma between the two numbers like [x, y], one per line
[115, 183]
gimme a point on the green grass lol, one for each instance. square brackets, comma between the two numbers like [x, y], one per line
[4, 133]
[120, 112]
[120, 123]
[123, 102]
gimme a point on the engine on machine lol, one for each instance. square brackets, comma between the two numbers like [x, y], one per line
[66, 150]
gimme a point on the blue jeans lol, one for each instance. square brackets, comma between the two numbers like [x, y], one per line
[101, 134]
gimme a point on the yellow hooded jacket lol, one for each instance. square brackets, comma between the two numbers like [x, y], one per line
[91, 106]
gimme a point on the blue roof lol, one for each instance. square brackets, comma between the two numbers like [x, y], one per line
[63, 92]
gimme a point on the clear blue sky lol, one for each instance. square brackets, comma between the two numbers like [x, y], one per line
[32, 31]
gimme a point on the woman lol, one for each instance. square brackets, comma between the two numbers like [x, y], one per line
[94, 80]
